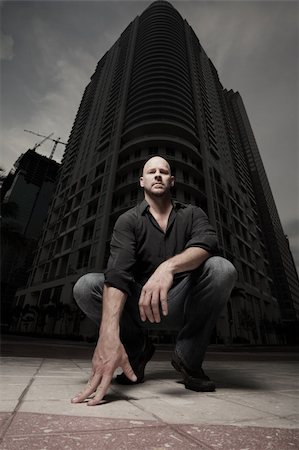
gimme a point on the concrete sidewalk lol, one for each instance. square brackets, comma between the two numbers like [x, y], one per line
[255, 405]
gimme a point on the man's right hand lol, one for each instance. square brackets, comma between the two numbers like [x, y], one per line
[154, 294]
[109, 354]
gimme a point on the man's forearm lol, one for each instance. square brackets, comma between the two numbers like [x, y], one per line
[113, 303]
[189, 259]
[109, 352]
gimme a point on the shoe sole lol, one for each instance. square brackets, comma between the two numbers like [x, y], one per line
[188, 384]
[196, 388]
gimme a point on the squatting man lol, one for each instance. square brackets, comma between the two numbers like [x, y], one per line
[163, 267]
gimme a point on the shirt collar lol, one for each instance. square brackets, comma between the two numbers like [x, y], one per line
[143, 206]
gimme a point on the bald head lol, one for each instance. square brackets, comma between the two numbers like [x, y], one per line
[156, 179]
[156, 161]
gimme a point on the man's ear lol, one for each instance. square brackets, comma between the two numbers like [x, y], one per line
[172, 181]
[141, 182]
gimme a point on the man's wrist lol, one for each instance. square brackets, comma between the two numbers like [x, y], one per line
[109, 332]
[169, 265]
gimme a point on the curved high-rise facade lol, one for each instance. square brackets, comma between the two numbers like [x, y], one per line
[157, 92]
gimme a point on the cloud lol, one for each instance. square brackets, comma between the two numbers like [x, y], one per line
[6, 47]
[49, 104]
[292, 228]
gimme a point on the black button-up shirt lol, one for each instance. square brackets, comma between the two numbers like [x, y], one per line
[138, 245]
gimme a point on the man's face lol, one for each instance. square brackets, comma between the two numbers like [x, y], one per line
[156, 177]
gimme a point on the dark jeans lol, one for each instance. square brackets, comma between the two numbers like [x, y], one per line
[194, 304]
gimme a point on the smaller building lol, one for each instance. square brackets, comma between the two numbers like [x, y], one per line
[26, 196]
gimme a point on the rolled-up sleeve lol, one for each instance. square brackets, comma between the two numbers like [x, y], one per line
[202, 234]
[122, 255]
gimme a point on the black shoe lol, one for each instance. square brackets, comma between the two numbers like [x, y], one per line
[195, 381]
[138, 365]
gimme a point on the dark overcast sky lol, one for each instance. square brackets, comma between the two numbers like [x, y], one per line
[49, 50]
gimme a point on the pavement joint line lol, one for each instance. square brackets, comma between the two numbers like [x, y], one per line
[20, 401]
[193, 439]
[76, 364]
[92, 430]
[242, 423]
[146, 411]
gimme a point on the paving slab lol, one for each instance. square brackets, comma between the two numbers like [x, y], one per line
[4, 417]
[136, 439]
[15, 379]
[275, 403]
[205, 409]
[112, 407]
[37, 424]
[246, 438]
[12, 391]
[7, 406]
[43, 393]
[50, 380]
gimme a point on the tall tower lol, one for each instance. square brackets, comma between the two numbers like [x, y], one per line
[285, 277]
[156, 92]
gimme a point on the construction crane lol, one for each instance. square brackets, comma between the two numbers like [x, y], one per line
[41, 142]
[56, 141]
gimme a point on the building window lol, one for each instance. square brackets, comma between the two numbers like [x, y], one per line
[83, 257]
[186, 177]
[73, 219]
[68, 207]
[136, 174]
[21, 301]
[217, 176]
[59, 245]
[69, 240]
[63, 265]
[53, 268]
[46, 271]
[96, 188]
[170, 152]
[92, 208]
[82, 182]
[56, 294]
[134, 195]
[45, 297]
[88, 231]
[124, 178]
[99, 170]
[63, 225]
[77, 201]
[187, 197]
[73, 189]
[153, 150]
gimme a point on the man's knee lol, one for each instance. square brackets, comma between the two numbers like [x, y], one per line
[87, 285]
[221, 270]
[218, 273]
